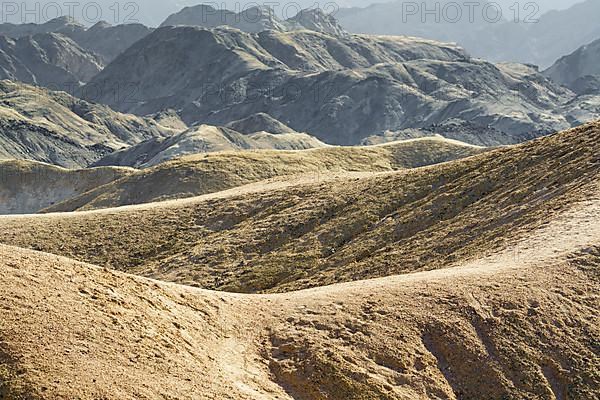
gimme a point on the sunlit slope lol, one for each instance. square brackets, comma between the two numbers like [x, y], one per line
[208, 173]
[492, 329]
[294, 236]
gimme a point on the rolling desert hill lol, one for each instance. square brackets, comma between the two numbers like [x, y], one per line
[200, 174]
[27, 187]
[340, 89]
[280, 236]
[53, 127]
[516, 321]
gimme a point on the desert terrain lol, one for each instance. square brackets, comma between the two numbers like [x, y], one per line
[384, 296]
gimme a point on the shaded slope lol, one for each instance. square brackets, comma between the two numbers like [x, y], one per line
[579, 70]
[53, 127]
[105, 40]
[51, 60]
[306, 235]
[27, 187]
[208, 173]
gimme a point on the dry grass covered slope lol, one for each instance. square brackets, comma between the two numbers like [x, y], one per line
[278, 237]
[199, 174]
[496, 328]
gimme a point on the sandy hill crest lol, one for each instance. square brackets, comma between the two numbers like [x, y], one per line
[200, 174]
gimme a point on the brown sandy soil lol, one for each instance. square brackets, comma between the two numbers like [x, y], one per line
[502, 327]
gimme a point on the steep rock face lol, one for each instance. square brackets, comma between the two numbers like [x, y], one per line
[579, 70]
[47, 59]
[339, 89]
[53, 127]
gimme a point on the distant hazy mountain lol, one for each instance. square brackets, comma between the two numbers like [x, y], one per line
[47, 59]
[532, 38]
[579, 70]
[255, 19]
[103, 39]
[339, 89]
